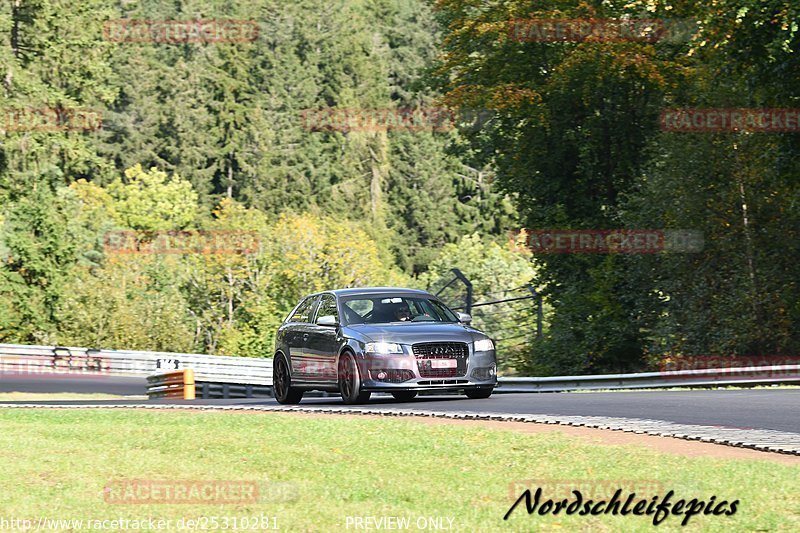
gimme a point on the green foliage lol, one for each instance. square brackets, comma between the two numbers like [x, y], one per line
[490, 266]
[577, 140]
[238, 300]
[574, 142]
[210, 137]
[132, 303]
[59, 283]
[227, 117]
[41, 246]
[150, 201]
[496, 272]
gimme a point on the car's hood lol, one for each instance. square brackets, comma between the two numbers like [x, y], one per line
[413, 332]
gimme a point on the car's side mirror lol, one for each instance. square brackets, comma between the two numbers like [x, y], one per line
[464, 318]
[327, 320]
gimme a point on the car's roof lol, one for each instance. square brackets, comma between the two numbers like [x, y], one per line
[377, 290]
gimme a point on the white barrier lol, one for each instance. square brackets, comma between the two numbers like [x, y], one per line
[23, 359]
[17, 358]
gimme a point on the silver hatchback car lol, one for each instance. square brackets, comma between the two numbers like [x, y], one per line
[359, 341]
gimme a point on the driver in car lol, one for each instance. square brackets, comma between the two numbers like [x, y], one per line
[403, 313]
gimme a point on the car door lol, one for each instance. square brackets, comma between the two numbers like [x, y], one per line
[297, 337]
[323, 341]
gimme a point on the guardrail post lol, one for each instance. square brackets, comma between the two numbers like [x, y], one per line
[94, 360]
[58, 356]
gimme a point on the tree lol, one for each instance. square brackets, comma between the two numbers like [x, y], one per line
[133, 303]
[568, 141]
[41, 243]
[152, 201]
[577, 139]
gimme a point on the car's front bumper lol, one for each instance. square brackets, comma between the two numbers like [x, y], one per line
[408, 372]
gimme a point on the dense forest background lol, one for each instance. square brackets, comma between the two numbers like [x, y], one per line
[211, 136]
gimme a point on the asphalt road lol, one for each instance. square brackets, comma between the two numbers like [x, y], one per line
[777, 409]
[69, 383]
[760, 409]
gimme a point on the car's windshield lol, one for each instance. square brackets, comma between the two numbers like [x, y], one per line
[387, 308]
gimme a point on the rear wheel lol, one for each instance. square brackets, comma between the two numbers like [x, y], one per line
[281, 383]
[350, 381]
[404, 395]
[479, 394]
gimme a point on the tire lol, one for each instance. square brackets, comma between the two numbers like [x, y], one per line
[282, 383]
[350, 381]
[479, 394]
[405, 395]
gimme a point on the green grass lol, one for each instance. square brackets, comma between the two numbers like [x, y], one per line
[315, 471]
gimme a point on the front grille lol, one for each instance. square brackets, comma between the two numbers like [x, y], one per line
[428, 351]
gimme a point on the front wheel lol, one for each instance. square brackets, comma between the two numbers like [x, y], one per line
[350, 381]
[405, 395]
[282, 383]
[478, 394]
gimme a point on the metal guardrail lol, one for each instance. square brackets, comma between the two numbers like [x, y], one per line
[239, 377]
[30, 360]
[233, 390]
[752, 375]
[178, 384]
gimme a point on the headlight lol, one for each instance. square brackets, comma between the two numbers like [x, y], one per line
[384, 348]
[484, 345]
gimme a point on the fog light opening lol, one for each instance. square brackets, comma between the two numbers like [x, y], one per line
[485, 373]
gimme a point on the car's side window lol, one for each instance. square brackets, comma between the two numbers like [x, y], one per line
[327, 306]
[303, 312]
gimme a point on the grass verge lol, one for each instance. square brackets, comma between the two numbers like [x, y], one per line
[315, 472]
